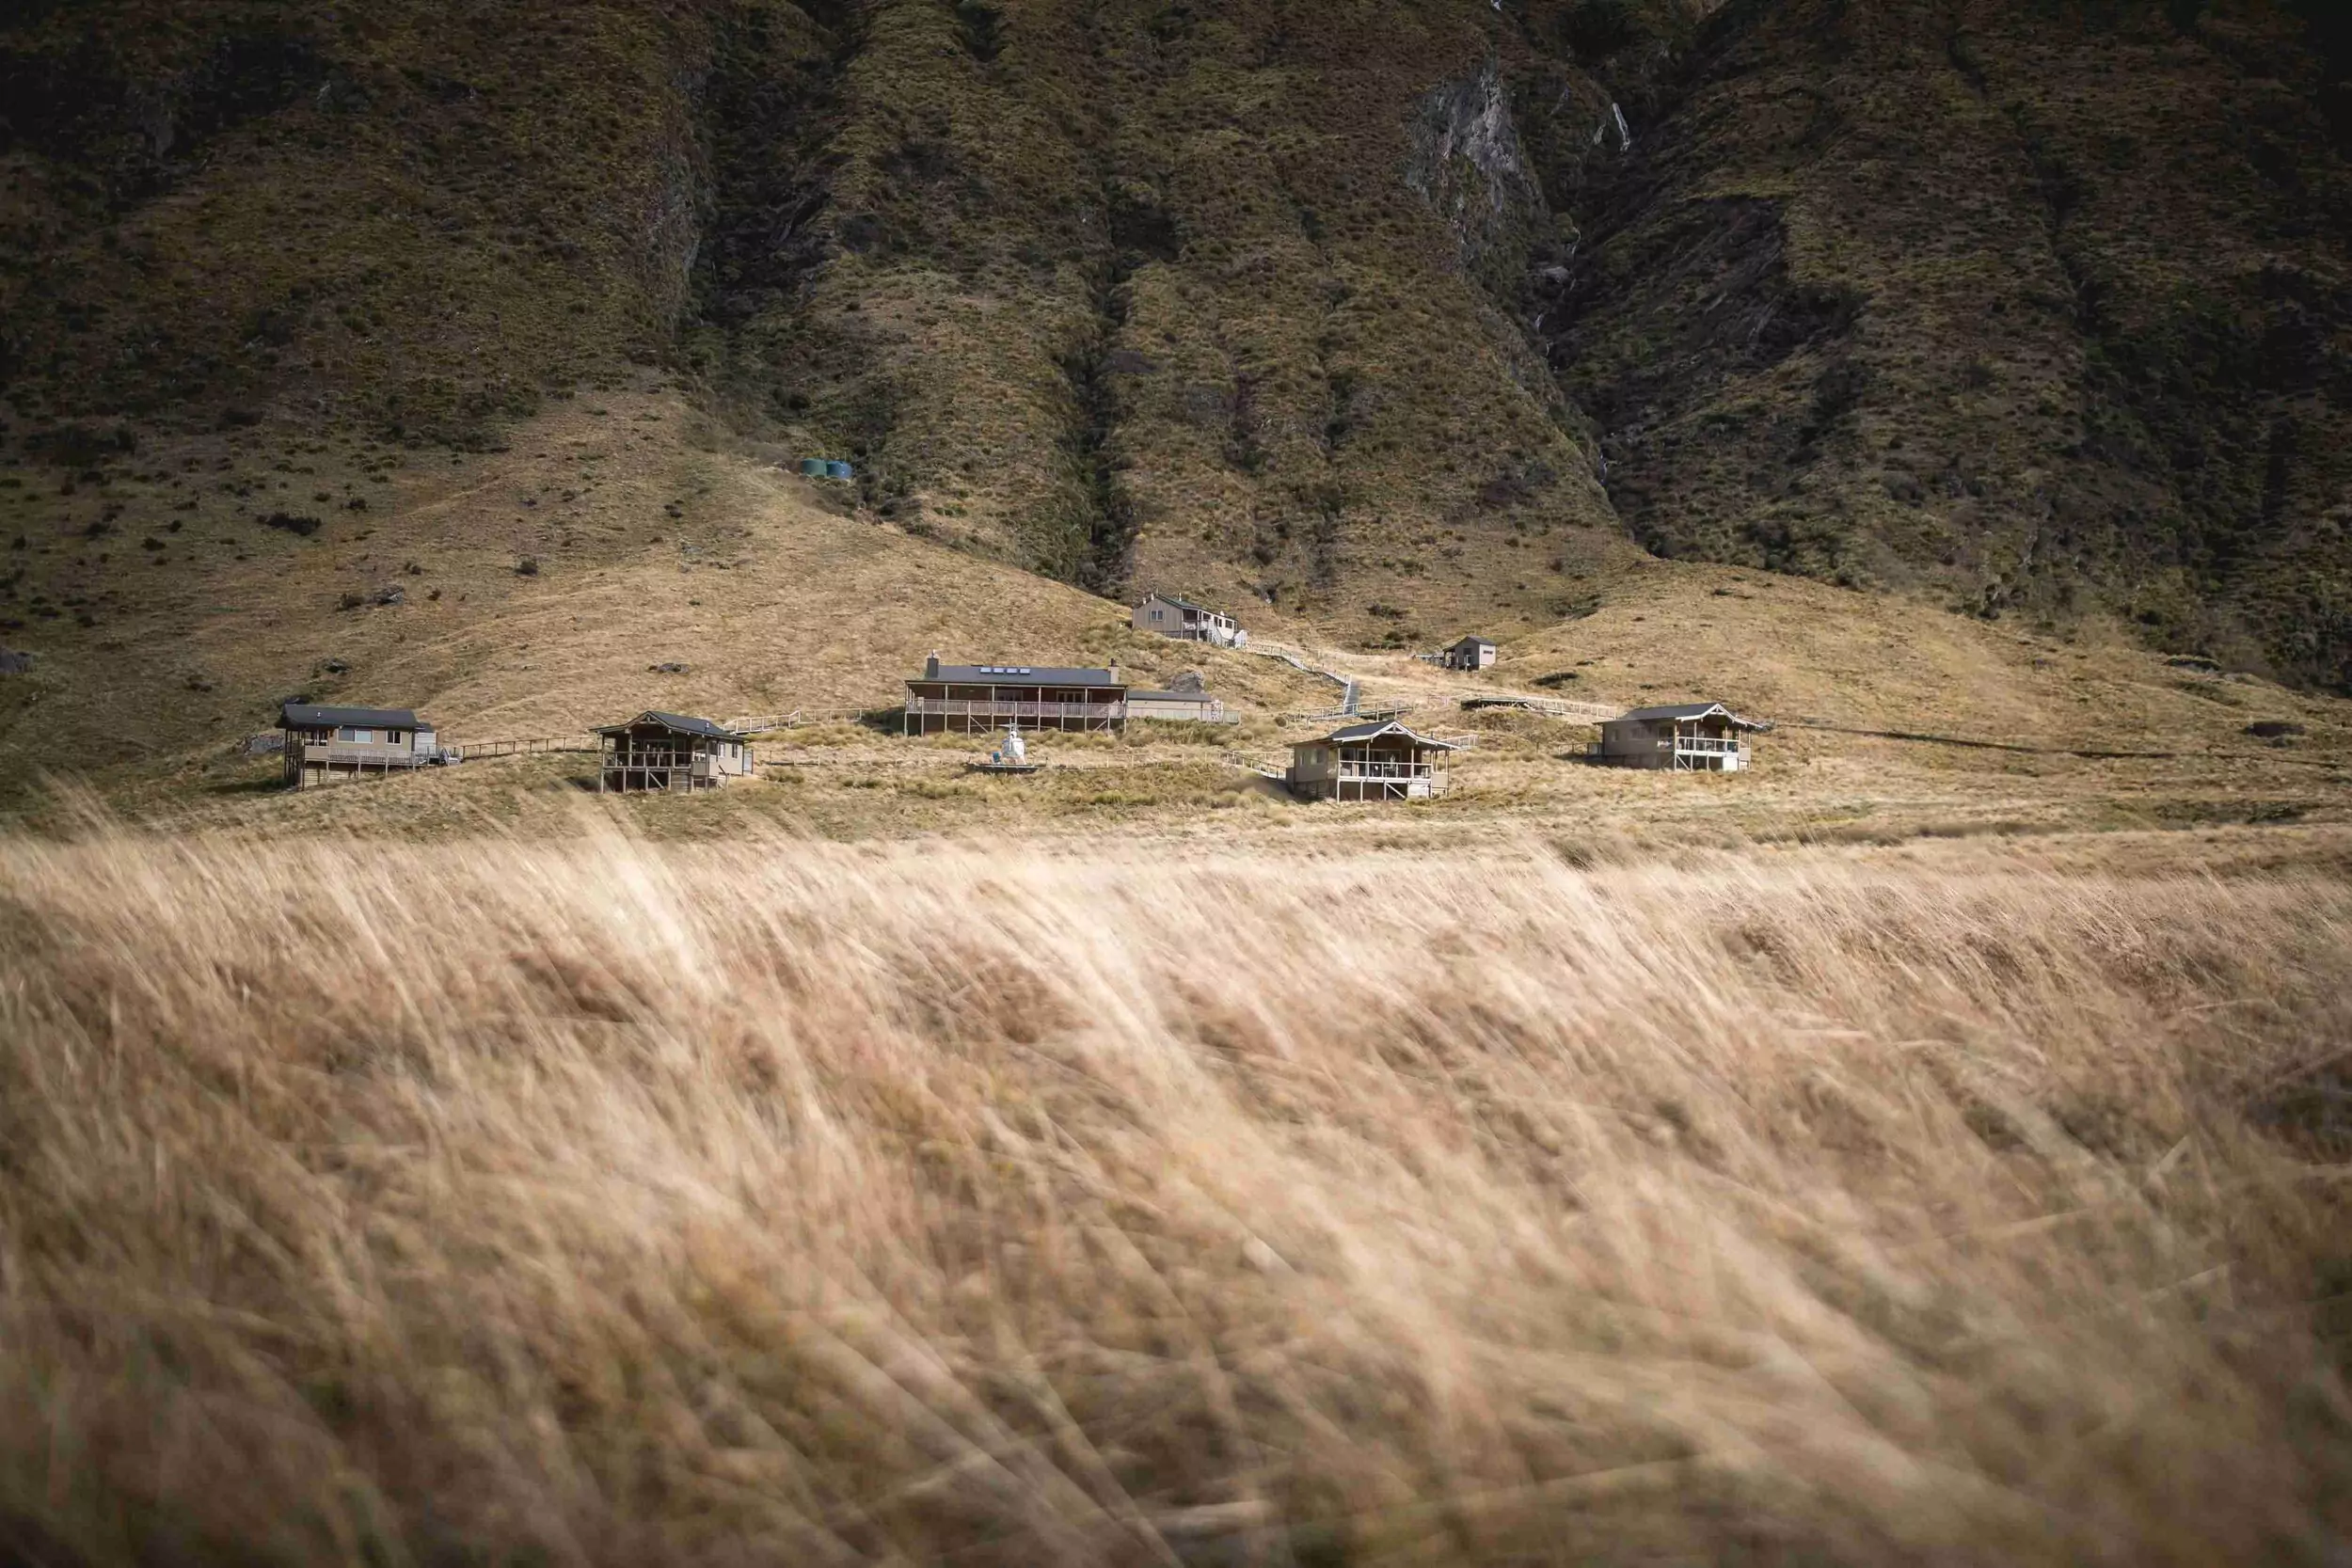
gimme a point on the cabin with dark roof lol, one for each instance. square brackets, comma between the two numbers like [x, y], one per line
[974, 698]
[1704, 737]
[1381, 760]
[336, 745]
[1170, 616]
[671, 752]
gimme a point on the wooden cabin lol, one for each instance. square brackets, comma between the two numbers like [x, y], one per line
[1380, 760]
[973, 698]
[1703, 738]
[671, 750]
[1471, 653]
[1170, 616]
[335, 745]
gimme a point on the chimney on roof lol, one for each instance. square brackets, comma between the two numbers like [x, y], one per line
[930, 668]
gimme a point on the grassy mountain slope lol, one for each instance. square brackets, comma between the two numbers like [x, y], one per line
[1347, 311]
[1142, 290]
[526, 592]
[2018, 301]
[1096, 289]
[412, 216]
[624, 551]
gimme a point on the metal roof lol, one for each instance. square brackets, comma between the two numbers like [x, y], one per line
[1017, 675]
[1683, 711]
[1185, 604]
[1354, 732]
[1482, 641]
[313, 715]
[677, 722]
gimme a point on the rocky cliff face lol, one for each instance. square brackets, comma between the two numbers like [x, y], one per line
[1405, 316]
[2041, 305]
[1468, 165]
[1143, 290]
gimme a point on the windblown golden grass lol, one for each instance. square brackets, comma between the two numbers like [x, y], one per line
[611, 1204]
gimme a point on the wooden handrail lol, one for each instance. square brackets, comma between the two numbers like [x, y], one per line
[967, 708]
[527, 745]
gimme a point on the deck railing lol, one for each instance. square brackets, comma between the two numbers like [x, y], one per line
[1376, 772]
[659, 758]
[531, 746]
[650, 767]
[1700, 745]
[960, 707]
[650, 757]
[333, 753]
[1411, 780]
[1201, 631]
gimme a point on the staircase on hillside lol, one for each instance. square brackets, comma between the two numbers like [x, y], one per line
[1350, 693]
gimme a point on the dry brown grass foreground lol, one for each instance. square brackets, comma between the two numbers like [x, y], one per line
[607, 1203]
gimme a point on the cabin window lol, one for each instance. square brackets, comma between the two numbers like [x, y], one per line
[1155, 615]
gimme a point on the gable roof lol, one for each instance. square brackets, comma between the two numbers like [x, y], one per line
[1683, 711]
[315, 716]
[1018, 674]
[677, 723]
[1185, 603]
[1478, 640]
[1351, 734]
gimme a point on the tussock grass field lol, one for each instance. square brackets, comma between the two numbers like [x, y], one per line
[611, 1202]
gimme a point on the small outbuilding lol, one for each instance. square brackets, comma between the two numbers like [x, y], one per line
[1686, 737]
[1170, 616]
[1381, 760]
[672, 751]
[336, 745]
[1471, 653]
[1183, 702]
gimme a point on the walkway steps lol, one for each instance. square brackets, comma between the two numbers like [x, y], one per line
[1349, 691]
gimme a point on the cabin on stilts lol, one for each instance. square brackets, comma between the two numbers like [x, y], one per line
[1376, 761]
[1687, 737]
[1187, 622]
[671, 752]
[336, 745]
[970, 698]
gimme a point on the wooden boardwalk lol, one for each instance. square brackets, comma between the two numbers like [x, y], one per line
[472, 751]
[1255, 764]
[1551, 707]
[1349, 690]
